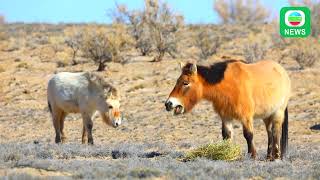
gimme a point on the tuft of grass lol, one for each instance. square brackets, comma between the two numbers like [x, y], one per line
[61, 63]
[23, 65]
[144, 173]
[223, 150]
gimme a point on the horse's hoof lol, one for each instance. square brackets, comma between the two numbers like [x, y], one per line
[90, 141]
[58, 141]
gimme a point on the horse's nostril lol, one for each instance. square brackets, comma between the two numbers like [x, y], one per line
[168, 105]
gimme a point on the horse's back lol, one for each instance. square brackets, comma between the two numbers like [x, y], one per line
[65, 89]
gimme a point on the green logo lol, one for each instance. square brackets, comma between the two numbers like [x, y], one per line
[295, 22]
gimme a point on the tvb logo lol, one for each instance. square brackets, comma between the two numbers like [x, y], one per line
[295, 22]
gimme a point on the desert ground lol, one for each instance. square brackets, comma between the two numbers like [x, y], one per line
[150, 142]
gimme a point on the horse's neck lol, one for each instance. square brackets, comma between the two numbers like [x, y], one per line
[215, 92]
[222, 95]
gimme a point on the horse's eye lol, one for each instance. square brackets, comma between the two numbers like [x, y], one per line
[110, 107]
[185, 83]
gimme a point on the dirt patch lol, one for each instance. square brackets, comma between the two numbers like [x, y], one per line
[27, 172]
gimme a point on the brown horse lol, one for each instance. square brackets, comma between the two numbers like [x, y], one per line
[239, 91]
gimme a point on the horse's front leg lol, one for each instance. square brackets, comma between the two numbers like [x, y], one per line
[227, 129]
[84, 134]
[247, 125]
[88, 124]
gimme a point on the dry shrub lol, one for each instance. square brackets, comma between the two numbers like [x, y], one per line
[63, 59]
[314, 7]
[13, 44]
[74, 41]
[23, 65]
[257, 47]
[104, 46]
[144, 173]
[164, 26]
[138, 27]
[240, 11]
[40, 38]
[46, 53]
[155, 28]
[223, 150]
[208, 42]
[3, 35]
[2, 19]
[305, 52]
[56, 43]
[61, 63]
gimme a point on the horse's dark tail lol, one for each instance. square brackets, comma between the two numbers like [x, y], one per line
[49, 106]
[284, 135]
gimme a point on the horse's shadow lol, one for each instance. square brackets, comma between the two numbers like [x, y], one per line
[315, 127]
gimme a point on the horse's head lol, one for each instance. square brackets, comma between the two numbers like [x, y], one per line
[112, 115]
[187, 91]
[113, 103]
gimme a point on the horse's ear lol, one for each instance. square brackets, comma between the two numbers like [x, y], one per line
[182, 64]
[193, 68]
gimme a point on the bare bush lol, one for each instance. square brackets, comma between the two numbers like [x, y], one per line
[138, 27]
[306, 53]
[256, 47]
[3, 36]
[240, 11]
[2, 19]
[164, 25]
[74, 41]
[144, 42]
[56, 43]
[208, 43]
[104, 46]
[315, 13]
[154, 28]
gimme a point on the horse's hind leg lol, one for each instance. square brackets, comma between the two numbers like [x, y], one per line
[56, 115]
[62, 117]
[277, 120]
[227, 129]
[248, 134]
[268, 123]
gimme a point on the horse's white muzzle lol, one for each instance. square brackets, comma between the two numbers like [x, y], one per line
[116, 122]
[175, 105]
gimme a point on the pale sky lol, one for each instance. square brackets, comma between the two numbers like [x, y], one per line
[84, 11]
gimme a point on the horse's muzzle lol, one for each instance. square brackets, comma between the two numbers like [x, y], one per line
[169, 105]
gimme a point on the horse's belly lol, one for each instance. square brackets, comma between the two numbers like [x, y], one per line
[69, 106]
[266, 109]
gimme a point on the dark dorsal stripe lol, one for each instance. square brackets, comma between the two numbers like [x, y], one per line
[212, 74]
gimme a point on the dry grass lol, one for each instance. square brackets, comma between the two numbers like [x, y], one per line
[81, 161]
[241, 11]
[223, 150]
[305, 52]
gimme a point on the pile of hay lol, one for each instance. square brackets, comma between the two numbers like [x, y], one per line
[223, 150]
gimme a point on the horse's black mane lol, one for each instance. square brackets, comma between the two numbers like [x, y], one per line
[214, 73]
